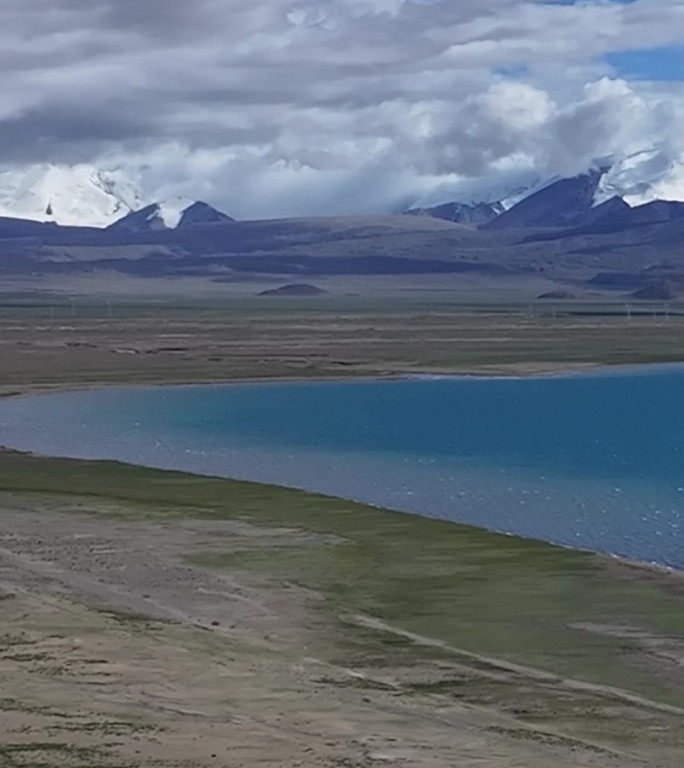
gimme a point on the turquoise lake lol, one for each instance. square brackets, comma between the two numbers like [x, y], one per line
[594, 461]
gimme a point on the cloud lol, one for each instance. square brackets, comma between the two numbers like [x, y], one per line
[329, 105]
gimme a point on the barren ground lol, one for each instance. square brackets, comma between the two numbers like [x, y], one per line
[115, 651]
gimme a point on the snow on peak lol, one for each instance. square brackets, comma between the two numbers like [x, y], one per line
[645, 176]
[169, 214]
[79, 195]
[171, 211]
[642, 178]
[522, 192]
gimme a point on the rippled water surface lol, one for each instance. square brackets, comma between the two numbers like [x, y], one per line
[593, 461]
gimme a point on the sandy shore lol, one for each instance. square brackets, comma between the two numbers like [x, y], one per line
[517, 371]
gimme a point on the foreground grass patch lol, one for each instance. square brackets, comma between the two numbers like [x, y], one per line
[518, 600]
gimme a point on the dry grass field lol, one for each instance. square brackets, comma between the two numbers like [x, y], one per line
[101, 343]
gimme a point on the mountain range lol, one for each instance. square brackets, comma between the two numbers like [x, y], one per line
[604, 228]
[582, 200]
[87, 196]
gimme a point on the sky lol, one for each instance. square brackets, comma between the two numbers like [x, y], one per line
[312, 107]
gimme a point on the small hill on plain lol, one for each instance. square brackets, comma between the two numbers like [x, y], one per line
[294, 290]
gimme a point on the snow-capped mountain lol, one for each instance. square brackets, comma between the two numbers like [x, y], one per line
[564, 203]
[634, 181]
[644, 187]
[642, 178]
[85, 196]
[476, 203]
[79, 195]
[505, 191]
[176, 213]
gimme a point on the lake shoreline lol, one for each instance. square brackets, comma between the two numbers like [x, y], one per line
[479, 374]
[127, 457]
[667, 576]
[508, 489]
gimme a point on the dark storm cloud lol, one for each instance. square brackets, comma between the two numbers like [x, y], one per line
[65, 131]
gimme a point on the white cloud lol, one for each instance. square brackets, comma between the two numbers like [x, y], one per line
[295, 106]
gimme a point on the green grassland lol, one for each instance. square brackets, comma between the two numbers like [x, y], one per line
[521, 601]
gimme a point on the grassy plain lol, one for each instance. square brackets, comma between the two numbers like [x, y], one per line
[153, 618]
[100, 343]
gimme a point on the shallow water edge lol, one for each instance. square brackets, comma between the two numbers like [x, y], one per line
[581, 496]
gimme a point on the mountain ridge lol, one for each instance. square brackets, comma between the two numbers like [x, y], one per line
[475, 214]
[306, 248]
[644, 178]
[176, 213]
[563, 229]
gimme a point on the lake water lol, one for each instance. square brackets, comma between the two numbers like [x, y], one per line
[593, 461]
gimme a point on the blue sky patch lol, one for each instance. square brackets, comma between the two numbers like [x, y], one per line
[654, 64]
